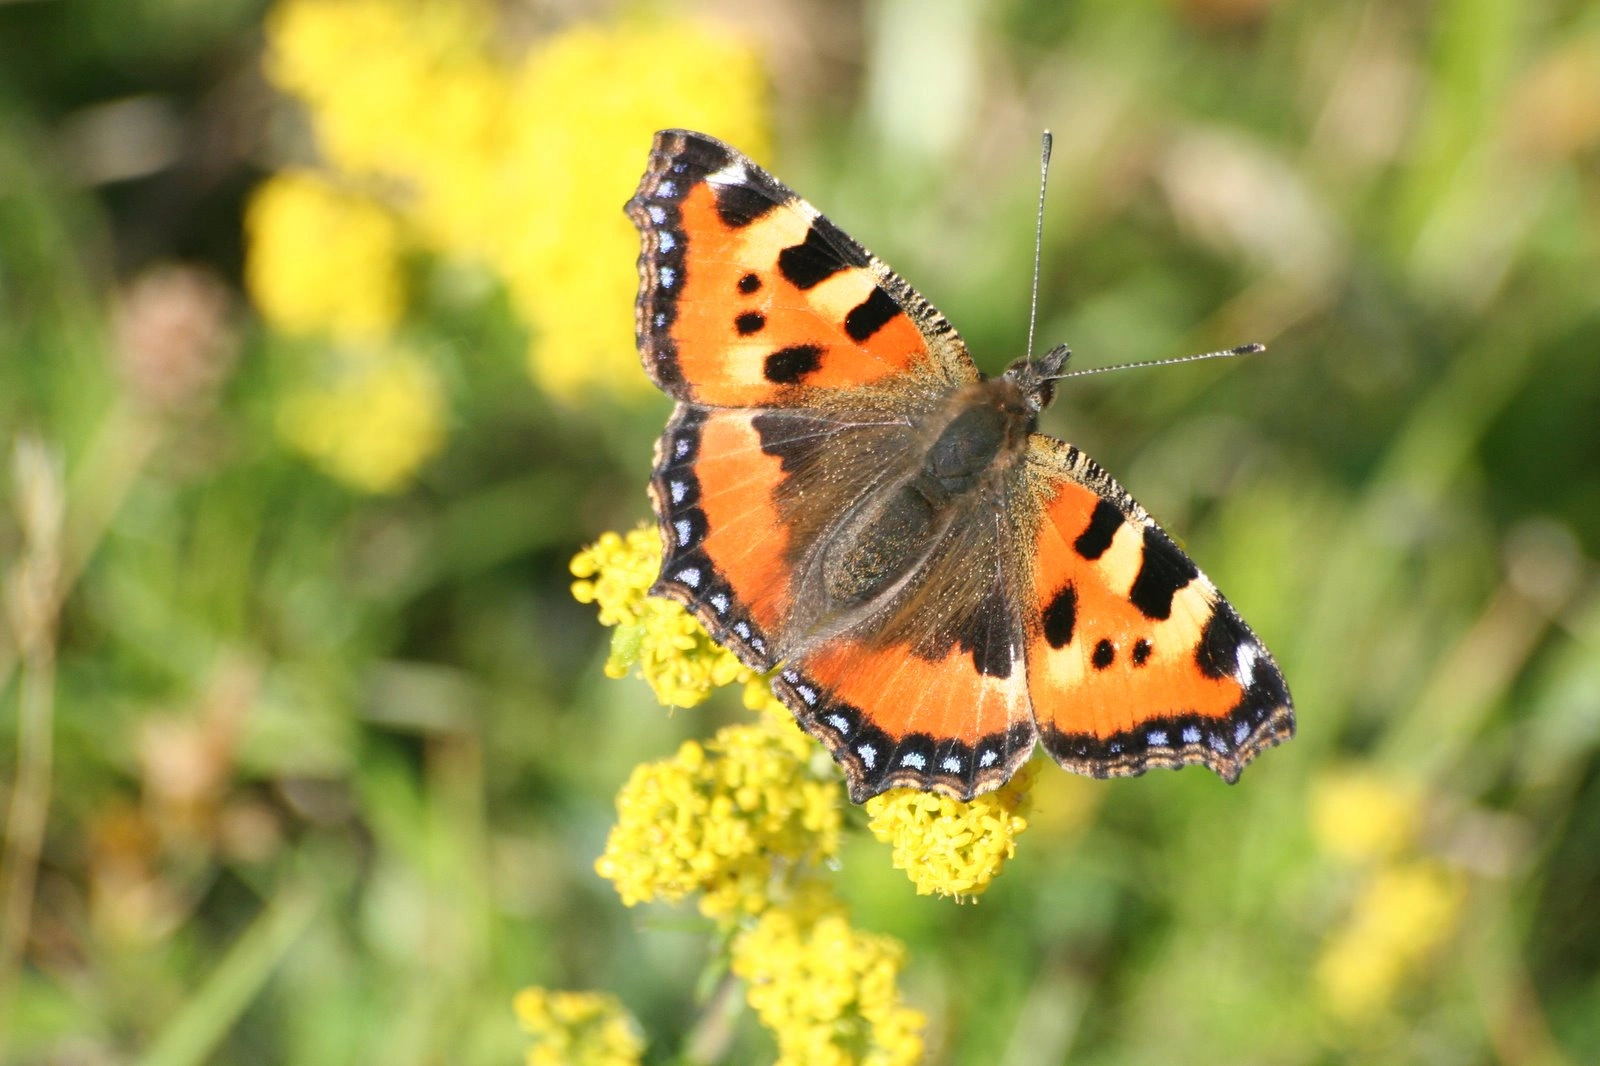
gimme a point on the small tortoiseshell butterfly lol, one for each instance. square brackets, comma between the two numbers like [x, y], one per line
[842, 495]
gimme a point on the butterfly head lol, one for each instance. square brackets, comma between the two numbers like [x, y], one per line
[1036, 378]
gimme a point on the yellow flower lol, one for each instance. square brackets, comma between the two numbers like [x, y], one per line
[671, 650]
[585, 106]
[378, 418]
[578, 1029]
[322, 260]
[386, 80]
[724, 819]
[826, 991]
[1407, 911]
[1360, 816]
[945, 845]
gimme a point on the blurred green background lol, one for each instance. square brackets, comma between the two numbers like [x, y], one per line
[316, 368]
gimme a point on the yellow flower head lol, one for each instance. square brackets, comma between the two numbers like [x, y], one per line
[671, 650]
[578, 1029]
[1360, 816]
[378, 418]
[722, 819]
[1407, 911]
[826, 991]
[386, 80]
[322, 260]
[947, 846]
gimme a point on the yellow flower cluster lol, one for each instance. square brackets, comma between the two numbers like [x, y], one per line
[517, 161]
[372, 420]
[728, 819]
[1407, 910]
[949, 847]
[323, 260]
[1407, 907]
[828, 992]
[1362, 817]
[672, 651]
[396, 89]
[325, 263]
[578, 1029]
[748, 821]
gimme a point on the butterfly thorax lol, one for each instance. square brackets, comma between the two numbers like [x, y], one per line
[985, 424]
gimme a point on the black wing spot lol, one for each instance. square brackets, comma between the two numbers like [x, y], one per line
[993, 658]
[740, 205]
[750, 322]
[787, 366]
[1163, 571]
[749, 284]
[811, 262]
[1061, 617]
[1141, 652]
[987, 635]
[1104, 655]
[1103, 525]
[870, 315]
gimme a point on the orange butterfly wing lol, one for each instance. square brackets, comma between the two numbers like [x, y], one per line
[741, 495]
[1134, 658]
[749, 297]
[929, 690]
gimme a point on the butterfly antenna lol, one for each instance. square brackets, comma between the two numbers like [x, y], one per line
[1226, 353]
[1038, 235]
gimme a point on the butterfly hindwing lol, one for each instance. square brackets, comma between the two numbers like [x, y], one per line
[928, 689]
[1134, 658]
[749, 297]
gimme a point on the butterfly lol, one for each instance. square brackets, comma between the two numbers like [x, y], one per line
[845, 499]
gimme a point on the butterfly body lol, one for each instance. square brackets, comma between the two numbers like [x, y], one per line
[845, 498]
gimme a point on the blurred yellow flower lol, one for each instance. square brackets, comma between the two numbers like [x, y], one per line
[828, 992]
[578, 1029]
[322, 260]
[1407, 911]
[723, 819]
[946, 846]
[386, 80]
[373, 423]
[1361, 816]
[671, 650]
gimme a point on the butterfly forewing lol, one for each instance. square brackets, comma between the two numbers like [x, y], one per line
[750, 298]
